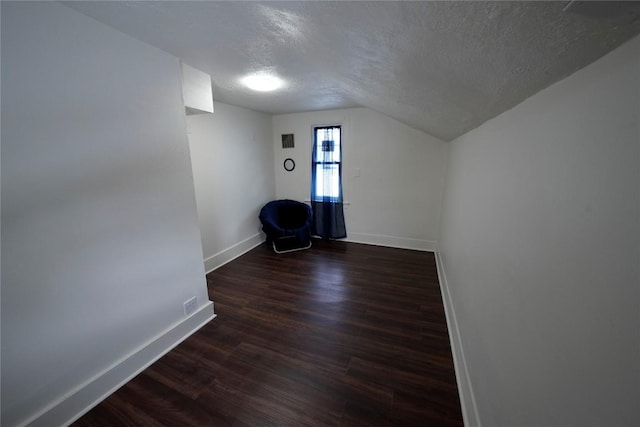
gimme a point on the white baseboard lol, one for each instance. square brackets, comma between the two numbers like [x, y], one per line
[87, 395]
[224, 256]
[465, 389]
[392, 241]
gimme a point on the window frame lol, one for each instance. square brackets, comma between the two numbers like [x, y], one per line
[314, 163]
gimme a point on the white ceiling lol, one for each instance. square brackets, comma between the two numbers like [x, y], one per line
[442, 67]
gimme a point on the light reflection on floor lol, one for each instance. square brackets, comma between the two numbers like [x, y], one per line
[330, 284]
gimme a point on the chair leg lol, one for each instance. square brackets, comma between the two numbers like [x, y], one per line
[289, 250]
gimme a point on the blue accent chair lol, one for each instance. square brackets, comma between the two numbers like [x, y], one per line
[287, 224]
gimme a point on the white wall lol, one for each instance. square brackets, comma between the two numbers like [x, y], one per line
[100, 240]
[396, 199]
[232, 157]
[540, 243]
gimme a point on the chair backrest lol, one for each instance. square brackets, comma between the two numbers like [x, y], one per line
[292, 215]
[287, 214]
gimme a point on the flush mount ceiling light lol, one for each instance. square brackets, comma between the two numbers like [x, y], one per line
[262, 82]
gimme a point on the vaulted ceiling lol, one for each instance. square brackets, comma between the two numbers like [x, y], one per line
[441, 67]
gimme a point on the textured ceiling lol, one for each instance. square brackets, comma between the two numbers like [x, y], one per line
[442, 67]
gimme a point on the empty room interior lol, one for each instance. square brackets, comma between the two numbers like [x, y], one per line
[489, 181]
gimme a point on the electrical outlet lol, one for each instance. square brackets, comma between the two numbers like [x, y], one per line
[190, 306]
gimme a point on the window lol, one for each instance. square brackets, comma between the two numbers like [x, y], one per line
[326, 164]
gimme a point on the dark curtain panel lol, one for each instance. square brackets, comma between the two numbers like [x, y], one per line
[328, 220]
[326, 184]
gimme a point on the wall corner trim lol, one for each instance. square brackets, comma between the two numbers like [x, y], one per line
[392, 241]
[219, 259]
[465, 390]
[83, 398]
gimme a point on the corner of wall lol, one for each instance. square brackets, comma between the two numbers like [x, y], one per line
[83, 398]
[468, 405]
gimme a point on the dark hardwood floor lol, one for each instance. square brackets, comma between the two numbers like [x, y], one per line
[340, 335]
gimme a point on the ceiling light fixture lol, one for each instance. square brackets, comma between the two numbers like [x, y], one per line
[262, 82]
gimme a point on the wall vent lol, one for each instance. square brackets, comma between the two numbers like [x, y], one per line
[287, 140]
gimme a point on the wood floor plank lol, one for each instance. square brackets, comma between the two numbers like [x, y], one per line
[343, 334]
